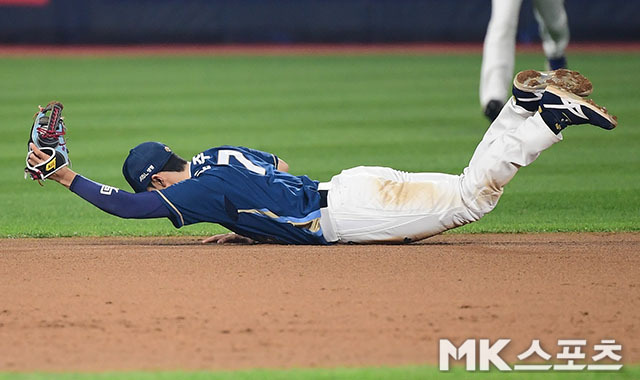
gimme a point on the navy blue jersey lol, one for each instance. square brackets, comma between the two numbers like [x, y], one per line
[241, 189]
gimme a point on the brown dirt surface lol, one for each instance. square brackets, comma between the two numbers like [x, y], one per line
[93, 304]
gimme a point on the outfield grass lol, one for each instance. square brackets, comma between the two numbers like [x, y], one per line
[321, 114]
[406, 373]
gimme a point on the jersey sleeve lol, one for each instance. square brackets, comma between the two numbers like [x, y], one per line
[118, 202]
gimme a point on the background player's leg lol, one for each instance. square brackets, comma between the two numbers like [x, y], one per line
[499, 52]
[554, 30]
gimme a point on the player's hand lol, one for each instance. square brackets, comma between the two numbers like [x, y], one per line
[64, 176]
[230, 238]
[38, 156]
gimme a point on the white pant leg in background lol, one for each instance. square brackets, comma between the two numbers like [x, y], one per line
[374, 204]
[553, 25]
[499, 51]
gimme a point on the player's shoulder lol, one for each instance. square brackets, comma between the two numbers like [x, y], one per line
[208, 161]
[203, 158]
[211, 155]
[214, 150]
[239, 148]
[232, 158]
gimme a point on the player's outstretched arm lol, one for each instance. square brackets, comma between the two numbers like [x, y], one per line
[231, 237]
[116, 202]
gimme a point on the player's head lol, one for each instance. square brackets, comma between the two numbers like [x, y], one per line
[152, 165]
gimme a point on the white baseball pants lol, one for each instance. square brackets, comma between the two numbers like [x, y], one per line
[500, 42]
[376, 204]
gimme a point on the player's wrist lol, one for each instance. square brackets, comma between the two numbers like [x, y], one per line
[64, 176]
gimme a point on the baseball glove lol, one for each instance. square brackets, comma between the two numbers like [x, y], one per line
[47, 133]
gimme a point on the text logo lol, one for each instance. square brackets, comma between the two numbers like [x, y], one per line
[146, 173]
[482, 354]
[107, 190]
[51, 165]
[199, 159]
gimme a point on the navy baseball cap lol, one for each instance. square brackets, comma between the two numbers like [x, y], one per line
[144, 161]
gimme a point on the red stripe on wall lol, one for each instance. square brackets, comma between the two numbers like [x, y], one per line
[294, 49]
[25, 3]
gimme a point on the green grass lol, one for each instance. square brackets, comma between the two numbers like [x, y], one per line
[321, 114]
[405, 373]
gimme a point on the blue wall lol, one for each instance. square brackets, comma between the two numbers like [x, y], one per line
[283, 21]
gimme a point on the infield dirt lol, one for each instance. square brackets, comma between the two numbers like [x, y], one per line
[93, 304]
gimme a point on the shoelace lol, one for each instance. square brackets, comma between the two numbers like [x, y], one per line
[46, 133]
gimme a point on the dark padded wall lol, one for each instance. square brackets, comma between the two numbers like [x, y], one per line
[286, 21]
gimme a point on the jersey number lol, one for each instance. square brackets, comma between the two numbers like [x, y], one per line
[223, 159]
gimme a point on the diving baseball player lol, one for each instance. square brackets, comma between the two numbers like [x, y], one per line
[500, 44]
[251, 193]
